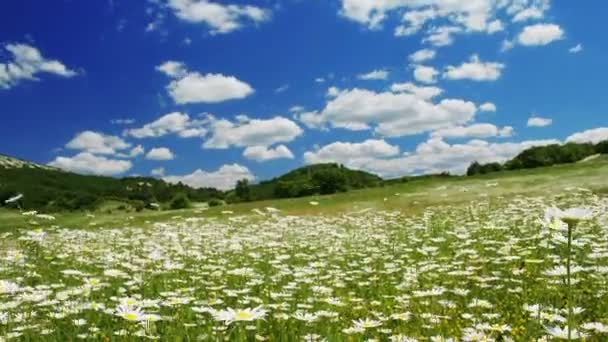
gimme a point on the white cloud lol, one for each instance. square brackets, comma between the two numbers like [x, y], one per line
[221, 18]
[576, 49]
[135, 151]
[425, 74]
[495, 26]
[282, 88]
[536, 121]
[26, 63]
[99, 143]
[475, 70]
[442, 36]
[88, 163]
[171, 123]
[345, 151]
[374, 75]
[536, 10]
[173, 69]
[434, 156]
[262, 153]
[488, 107]
[223, 179]
[160, 153]
[540, 34]
[122, 121]
[593, 136]
[425, 93]
[251, 132]
[158, 172]
[194, 87]
[507, 45]
[392, 114]
[422, 55]
[480, 130]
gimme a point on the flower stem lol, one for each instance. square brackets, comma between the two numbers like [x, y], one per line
[569, 285]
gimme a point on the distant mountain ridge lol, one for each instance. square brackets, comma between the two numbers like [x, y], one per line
[7, 162]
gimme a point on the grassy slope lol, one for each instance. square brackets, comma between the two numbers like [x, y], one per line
[410, 197]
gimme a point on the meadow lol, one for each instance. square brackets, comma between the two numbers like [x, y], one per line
[485, 258]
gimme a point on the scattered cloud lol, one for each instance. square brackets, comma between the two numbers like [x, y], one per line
[474, 70]
[282, 88]
[423, 55]
[224, 178]
[250, 132]
[425, 74]
[432, 156]
[374, 75]
[158, 172]
[98, 143]
[540, 34]
[194, 87]
[160, 153]
[263, 153]
[345, 151]
[488, 107]
[219, 17]
[480, 130]
[26, 63]
[392, 114]
[536, 121]
[442, 36]
[124, 122]
[576, 49]
[135, 151]
[425, 93]
[88, 163]
[593, 136]
[171, 123]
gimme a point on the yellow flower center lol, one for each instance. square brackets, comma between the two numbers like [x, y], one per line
[243, 315]
[130, 316]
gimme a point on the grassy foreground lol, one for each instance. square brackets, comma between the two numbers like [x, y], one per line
[412, 197]
[472, 259]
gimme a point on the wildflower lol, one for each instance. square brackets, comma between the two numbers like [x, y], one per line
[366, 323]
[247, 315]
[564, 333]
[130, 313]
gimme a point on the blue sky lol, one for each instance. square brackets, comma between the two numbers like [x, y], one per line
[207, 92]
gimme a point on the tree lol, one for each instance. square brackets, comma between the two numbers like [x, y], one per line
[330, 181]
[474, 169]
[243, 190]
[602, 147]
[180, 201]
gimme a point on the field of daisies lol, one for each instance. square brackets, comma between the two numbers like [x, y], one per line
[517, 269]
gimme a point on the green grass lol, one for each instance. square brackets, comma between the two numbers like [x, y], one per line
[410, 197]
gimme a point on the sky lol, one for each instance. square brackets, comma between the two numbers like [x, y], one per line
[207, 92]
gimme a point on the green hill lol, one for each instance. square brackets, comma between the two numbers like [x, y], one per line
[49, 189]
[314, 180]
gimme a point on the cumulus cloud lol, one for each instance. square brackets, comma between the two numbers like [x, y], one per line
[540, 34]
[98, 143]
[160, 153]
[220, 18]
[425, 93]
[576, 49]
[374, 75]
[474, 70]
[392, 114]
[194, 87]
[425, 74]
[134, 152]
[171, 123]
[224, 178]
[433, 156]
[440, 20]
[26, 63]
[251, 132]
[263, 153]
[158, 172]
[536, 121]
[346, 151]
[593, 136]
[480, 130]
[488, 107]
[422, 55]
[88, 163]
